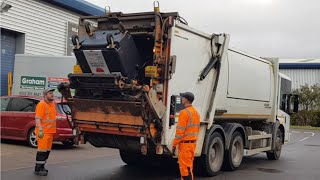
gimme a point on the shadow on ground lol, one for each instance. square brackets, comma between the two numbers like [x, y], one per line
[55, 146]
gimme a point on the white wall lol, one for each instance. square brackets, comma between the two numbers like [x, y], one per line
[46, 67]
[44, 25]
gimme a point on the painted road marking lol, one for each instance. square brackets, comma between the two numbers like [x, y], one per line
[312, 134]
[295, 131]
[304, 138]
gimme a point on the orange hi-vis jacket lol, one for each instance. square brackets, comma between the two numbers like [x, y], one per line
[188, 126]
[46, 112]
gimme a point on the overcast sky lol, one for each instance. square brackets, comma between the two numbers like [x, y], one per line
[266, 28]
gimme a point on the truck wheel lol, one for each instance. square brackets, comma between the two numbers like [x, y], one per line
[32, 138]
[210, 164]
[233, 156]
[275, 154]
[130, 158]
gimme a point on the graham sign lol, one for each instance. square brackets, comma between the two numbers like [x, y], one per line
[29, 82]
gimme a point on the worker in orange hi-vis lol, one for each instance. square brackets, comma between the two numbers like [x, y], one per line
[186, 136]
[45, 129]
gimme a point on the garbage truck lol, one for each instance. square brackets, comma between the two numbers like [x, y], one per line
[134, 67]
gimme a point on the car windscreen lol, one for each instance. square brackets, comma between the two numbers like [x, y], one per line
[65, 107]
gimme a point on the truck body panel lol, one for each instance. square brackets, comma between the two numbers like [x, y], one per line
[247, 90]
[245, 87]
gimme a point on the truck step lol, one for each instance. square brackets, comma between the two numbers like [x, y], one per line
[256, 151]
[263, 136]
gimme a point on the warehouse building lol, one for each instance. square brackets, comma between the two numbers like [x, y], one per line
[38, 27]
[301, 71]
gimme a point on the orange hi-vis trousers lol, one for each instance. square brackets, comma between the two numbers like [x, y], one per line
[45, 143]
[43, 151]
[185, 159]
[186, 136]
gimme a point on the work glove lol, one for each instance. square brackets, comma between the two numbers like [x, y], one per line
[40, 134]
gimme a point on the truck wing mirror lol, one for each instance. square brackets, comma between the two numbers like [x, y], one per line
[283, 102]
[295, 103]
[288, 103]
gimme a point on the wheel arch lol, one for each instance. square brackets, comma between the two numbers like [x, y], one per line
[27, 129]
[230, 128]
[281, 127]
[215, 128]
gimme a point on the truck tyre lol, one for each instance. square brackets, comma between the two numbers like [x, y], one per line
[233, 156]
[209, 164]
[130, 158]
[275, 154]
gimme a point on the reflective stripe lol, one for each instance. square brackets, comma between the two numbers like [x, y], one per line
[190, 120]
[40, 162]
[41, 150]
[189, 125]
[178, 137]
[38, 117]
[190, 115]
[180, 127]
[193, 125]
[47, 111]
[191, 134]
[48, 121]
[47, 127]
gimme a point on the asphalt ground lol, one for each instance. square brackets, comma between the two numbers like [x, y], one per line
[300, 160]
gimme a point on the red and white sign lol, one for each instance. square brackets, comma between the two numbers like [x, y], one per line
[53, 82]
[96, 61]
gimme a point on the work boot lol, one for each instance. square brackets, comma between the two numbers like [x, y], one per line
[41, 173]
[43, 168]
[38, 170]
[47, 156]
